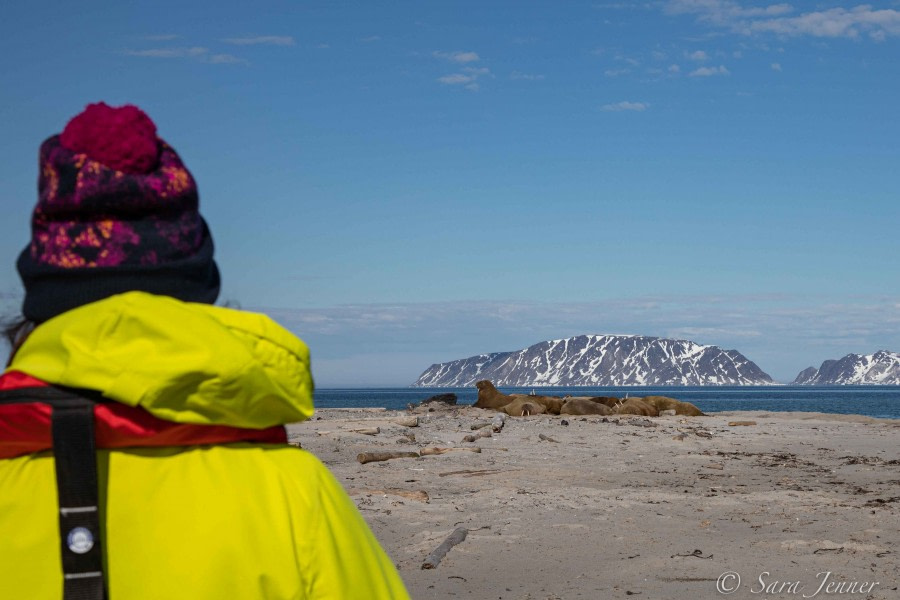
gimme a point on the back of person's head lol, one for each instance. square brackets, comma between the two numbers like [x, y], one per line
[117, 211]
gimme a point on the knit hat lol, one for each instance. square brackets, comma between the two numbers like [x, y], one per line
[117, 211]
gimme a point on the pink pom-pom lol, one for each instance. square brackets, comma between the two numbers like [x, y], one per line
[122, 138]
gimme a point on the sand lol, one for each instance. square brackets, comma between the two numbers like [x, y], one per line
[797, 505]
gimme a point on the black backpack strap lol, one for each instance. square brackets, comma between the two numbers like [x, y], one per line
[79, 507]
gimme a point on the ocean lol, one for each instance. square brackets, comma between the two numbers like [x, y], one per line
[880, 401]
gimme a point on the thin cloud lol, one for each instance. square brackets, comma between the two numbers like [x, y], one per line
[781, 333]
[197, 53]
[457, 57]
[625, 106]
[674, 69]
[516, 75]
[779, 19]
[467, 79]
[163, 37]
[193, 52]
[370, 39]
[226, 59]
[456, 78]
[262, 40]
[776, 67]
[709, 71]
[698, 56]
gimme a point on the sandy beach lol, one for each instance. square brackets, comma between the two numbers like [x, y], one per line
[795, 505]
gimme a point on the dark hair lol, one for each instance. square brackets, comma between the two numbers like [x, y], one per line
[15, 331]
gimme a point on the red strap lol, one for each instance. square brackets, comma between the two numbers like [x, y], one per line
[25, 427]
[14, 380]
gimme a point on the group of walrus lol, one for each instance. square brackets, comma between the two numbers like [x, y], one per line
[523, 405]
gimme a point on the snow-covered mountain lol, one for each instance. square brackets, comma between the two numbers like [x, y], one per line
[883, 368]
[600, 360]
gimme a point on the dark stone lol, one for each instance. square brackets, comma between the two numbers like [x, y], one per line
[440, 400]
[448, 399]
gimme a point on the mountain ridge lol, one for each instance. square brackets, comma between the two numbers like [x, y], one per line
[601, 360]
[879, 368]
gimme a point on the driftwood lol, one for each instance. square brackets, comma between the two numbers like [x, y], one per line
[436, 451]
[741, 423]
[432, 560]
[420, 495]
[547, 438]
[366, 430]
[481, 425]
[484, 433]
[497, 422]
[367, 457]
[408, 421]
[471, 473]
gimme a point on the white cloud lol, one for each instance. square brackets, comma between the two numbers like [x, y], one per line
[625, 106]
[516, 75]
[264, 40]
[699, 56]
[776, 67]
[458, 57]
[226, 59]
[168, 52]
[198, 53]
[627, 60]
[456, 78]
[468, 78]
[616, 72]
[779, 19]
[709, 71]
[722, 12]
[370, 39]
[674, 69]
[835, 22]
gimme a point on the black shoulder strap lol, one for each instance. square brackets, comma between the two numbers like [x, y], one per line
[79, 508]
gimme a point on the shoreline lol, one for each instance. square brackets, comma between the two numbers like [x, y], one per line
[875, 401]
[620, 508]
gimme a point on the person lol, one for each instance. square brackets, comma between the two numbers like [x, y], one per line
[177, 480]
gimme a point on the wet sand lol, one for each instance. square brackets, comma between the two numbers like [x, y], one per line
[798, 504]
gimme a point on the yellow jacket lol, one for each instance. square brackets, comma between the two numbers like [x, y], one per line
[217, 522]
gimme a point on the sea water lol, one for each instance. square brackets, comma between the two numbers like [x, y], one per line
[880, 401]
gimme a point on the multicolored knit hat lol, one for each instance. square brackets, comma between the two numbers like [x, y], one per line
[117, 211]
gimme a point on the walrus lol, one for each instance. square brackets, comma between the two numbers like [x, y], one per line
[636, 406]
[523, 406]
[584, 406]
[680, 407]
[490, 397]
[609, 401]
[551, 403]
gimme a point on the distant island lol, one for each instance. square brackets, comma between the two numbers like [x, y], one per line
[880, 368]
[601, 360]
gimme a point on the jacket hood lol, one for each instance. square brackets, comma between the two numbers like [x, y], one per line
[180, 361]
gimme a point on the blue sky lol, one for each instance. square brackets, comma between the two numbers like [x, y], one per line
[407, 183]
